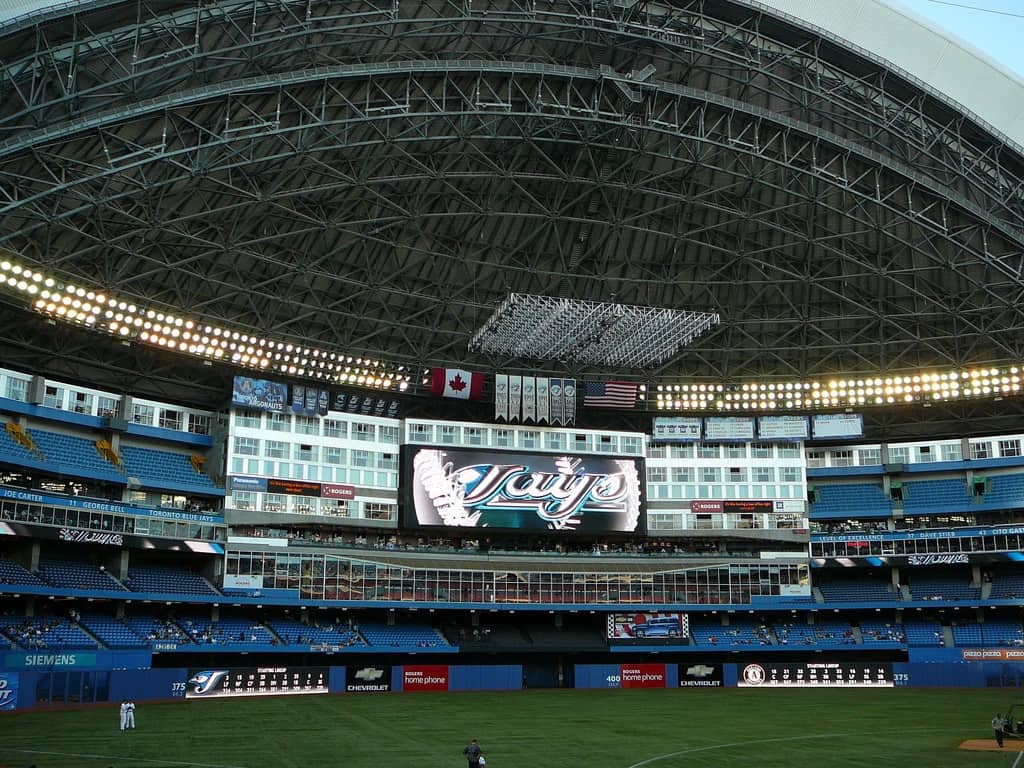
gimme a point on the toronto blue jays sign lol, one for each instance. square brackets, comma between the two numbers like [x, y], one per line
[522, 491]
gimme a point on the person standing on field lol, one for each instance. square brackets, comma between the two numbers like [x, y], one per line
[473, 752]
[130, 721]
[124, 714]
[997, 726]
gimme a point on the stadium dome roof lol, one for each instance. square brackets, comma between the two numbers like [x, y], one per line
[375, 178]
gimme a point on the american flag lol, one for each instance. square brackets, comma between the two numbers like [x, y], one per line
[610, 394]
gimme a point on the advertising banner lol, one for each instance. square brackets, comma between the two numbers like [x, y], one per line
[8, 691]
[706, 506]
[255, 484]
[831, 426]
[648, 626]
[259, 394]
[676, 429]
[338, 491]
[746, 507]
[255, 681]
[840, 674]
[521, 491]
[721, 429]
[993, 654]
[292, 487]
[701, 675]
[367, 678]
[100, 505]
[779, 428]
[425, 677]
[88, 536]
[642, 676]
[857, 560]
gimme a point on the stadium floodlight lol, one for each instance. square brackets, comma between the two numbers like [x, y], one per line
[533, 327]
[905, 389]
[128, 322]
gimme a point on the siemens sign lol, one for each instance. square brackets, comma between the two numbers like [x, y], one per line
[49, 660]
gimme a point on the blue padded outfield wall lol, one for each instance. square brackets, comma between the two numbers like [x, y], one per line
[71, 685]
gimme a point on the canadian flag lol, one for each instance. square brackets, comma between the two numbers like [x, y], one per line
[455, 382]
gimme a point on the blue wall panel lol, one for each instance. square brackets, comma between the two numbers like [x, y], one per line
[498, 677]
[598, 675]
[147, 685]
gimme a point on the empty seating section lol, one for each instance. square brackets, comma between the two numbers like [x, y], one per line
[165, 580]
[851, 500]
[923, 632]
[737, 633]
[113, 633]
[69, 575]
[14, 452]
[12, 573]
[863, 590]
[935, 588]
[967, 635]
[163, 468]
[825, 633]
[225, 631]
[882, 633]
[401, 637]
[294, 632]
[44, 632]
[925, 496]
[77, 453]
[996, 632]
[1003, 492]
[1003, 587]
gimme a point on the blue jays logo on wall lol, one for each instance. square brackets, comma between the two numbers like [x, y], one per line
[8, 690]
[205, 683]
[525, 491]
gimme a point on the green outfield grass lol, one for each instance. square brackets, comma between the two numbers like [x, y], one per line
[527, 729]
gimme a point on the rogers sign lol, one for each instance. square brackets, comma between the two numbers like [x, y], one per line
[642, 676]
[425, 677]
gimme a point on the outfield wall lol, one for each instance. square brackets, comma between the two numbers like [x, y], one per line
[27, 689]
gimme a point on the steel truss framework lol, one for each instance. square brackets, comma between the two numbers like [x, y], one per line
[377, 177]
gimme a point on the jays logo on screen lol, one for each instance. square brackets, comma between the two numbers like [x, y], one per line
[206, 682]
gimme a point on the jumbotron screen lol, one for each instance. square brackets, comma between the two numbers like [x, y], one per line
[643, 627]
[255, 681]
[557, 492]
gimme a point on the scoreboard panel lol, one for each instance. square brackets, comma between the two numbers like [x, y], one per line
[256, 681]
[839, 674]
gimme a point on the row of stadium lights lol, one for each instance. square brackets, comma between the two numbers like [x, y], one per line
[127, 321]
[809, 395]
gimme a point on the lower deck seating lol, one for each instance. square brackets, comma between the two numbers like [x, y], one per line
[865, 589]
[112, 632]
[402, 636]
[226, 631]
[293, 632]
[733, 635]
[32, 633]
[70, 575]
[826, 634]
[12, 573]
[923, 632]
[166, 580]
[881, 633]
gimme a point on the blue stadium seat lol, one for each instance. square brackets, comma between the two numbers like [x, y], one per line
[163, 468]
